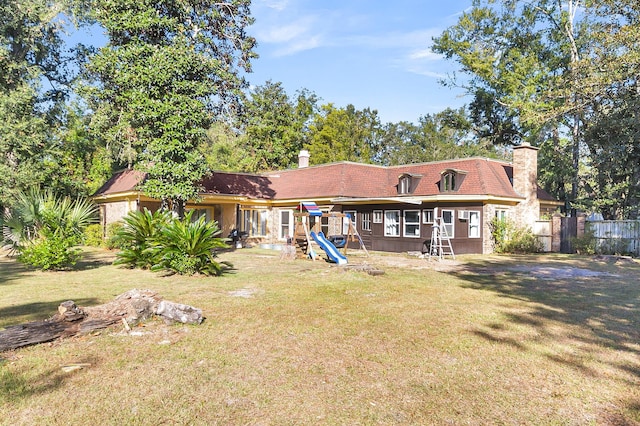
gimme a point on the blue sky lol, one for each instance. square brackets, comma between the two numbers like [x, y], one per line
[368, 53]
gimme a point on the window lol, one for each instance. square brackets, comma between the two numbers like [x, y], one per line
[254, 222]
[501, 214]
[377, 216]
[447, 222]
[404, 185]
[474, 224]
[366, 221]
[428, 215]
[286, 224]
[324, 225]
[345, 221]
[412, 223]
[392, 223]
[449, 182]
[198, 213]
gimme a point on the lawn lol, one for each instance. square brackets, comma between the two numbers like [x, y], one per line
[547, 339]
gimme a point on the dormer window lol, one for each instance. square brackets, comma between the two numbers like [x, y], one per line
[451, 180]
[407, 183]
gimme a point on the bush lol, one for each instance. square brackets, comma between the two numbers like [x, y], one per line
[137, 236]
[93, 235]
[185, 247]
[160, 242]
[113, 240]
[586, 244]
[51, 253]
[510, 238]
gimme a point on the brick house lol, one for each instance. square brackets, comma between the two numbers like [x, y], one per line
[393, 207]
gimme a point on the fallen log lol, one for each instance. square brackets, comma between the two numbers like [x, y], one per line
[129, 308]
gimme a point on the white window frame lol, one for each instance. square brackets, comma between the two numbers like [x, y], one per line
[404, 186]
[392, 223]
[428, 215]
[501, 214]
[284, 233]
[377, 216]
[366, 221]
[450, 226]
[345, 221]
[474, 224]
[414, 223]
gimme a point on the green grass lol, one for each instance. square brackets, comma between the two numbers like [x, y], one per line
[484, 340]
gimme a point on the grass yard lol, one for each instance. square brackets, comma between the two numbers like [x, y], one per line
[538, 340]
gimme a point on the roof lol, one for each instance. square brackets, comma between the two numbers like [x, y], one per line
[482, 177]
[123, 181]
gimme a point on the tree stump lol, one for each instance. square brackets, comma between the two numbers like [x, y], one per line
[131, 307]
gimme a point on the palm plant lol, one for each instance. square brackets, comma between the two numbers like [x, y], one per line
[136, 238]
[43, 228]
[189, 247]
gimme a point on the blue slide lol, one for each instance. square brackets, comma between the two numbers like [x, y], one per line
[329, 248]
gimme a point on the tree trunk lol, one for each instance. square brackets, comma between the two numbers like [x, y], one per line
[129, 308]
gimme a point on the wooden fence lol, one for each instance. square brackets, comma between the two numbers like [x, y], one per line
[616, 236]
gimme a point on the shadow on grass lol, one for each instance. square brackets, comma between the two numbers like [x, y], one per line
[18, 385]
[11, 269]
[598, 302]
[37, 311]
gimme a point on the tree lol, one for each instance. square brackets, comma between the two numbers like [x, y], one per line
[522, 61]
[168, 68]
[441, 136]
[275, 127]
[35, 77]
[343, 134]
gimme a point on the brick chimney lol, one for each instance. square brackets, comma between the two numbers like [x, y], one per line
[303, 159]
[525, 183]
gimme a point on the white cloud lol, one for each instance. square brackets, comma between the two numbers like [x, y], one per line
[278, 5]
[424, 54]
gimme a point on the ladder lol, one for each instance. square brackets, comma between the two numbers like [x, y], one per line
[440, 241]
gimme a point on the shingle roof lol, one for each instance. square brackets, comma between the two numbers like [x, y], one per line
[483, 176]
[123, 181]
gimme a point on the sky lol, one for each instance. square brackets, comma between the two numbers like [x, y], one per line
[369, 53]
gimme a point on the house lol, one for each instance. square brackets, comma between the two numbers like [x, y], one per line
[393, 208]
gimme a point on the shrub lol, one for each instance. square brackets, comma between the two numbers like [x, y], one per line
[510, 238]
[113, 239]
[43, 228]
[160, 242]
[93, 235]
[586, 244]
[136, 238]
[51, 253]
[186, 247]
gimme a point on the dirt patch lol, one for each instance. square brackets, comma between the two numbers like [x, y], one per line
[560, 273]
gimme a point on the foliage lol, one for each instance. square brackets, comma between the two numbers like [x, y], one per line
[53, 252]
[275, 127]
[585, 244]
[35, 77]
[137, 236]
[113, 240]
[43, 227]
[441, 136]
[508, 237]
[343, 134]
[161, 242]
[188, 247]
[167, 69]
[93, 235]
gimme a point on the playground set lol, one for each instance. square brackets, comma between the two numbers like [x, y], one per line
[306, 234]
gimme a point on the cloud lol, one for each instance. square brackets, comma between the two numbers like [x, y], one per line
[424, 54]
[278, 5]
